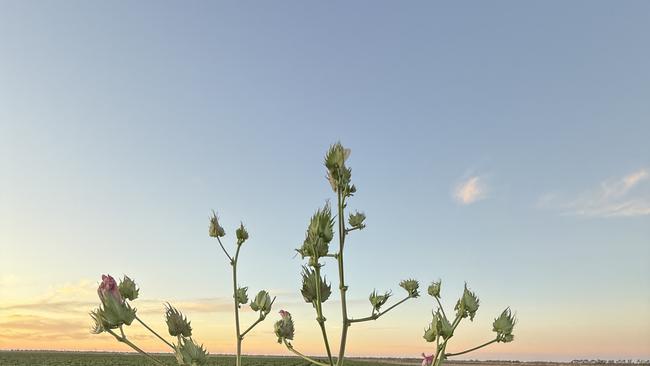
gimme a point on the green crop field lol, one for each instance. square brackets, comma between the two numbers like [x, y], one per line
[117, 359]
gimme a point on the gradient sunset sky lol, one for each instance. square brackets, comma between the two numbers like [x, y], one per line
[505, 143]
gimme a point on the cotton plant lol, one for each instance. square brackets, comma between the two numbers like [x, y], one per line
[262, 302]
[441, 328]
[315, 250]
[115, 313]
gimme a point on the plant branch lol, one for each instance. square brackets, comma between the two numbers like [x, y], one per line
[440, 306]
[290, 348]
[124, 340]
[154, 332]
[225, 251]
[259, 320]
[377, 315]
[320, 317]
[471, 349]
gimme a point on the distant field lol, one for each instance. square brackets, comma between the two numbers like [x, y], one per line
[117, 359]
[27, 358]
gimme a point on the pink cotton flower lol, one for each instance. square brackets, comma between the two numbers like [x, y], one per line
[285, 314]
[427, 360]
[108, 287]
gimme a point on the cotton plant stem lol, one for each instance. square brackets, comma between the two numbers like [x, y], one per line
[124, 340]
[234, 295]
[440, 354]
[342, 287]
[471, 349]
[290, 348]
[441, 308]
[376, 316]
[154, 332]
[320, 318]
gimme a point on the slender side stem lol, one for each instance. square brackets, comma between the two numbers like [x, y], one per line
[377, 315]
[154, 332]
[290, 348]
[124, 340]
[234, 295]
[441, 308]
[260, 319]
[471, 349]
[224, 250]
[342, 287]
[320, 318]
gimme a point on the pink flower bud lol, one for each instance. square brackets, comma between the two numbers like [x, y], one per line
[108, 287]
[427, 360]
[285, 314]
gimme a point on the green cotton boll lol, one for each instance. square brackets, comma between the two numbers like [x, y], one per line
[309, 282]
[468, 304]
[241, 295]
[356, 220]
[377, 301]
[446, 330]
[128, 289]
[177, 323]
[262, 302]
[115, 313]
[411, 286]
[434, 289]
[430, 333]
[322, 225]
[242, 234]
[320, 233]
[503, 326]
[216, 230]
[189, 353]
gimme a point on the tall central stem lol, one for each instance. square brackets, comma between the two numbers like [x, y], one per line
[342, 287]
[234, 295]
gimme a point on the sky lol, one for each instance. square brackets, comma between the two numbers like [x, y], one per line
[503, 144]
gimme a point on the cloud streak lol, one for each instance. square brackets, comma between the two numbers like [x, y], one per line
[625, 196]
[470, 190]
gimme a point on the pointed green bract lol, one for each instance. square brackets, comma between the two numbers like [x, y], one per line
[356, 220]
[309, 282]
[241, 295]
[128, 289]
[177, 323]
[377, 300]
[411, 286]
[434, 289]
[242, 234]
[216, 230]
[319, 234]
[468, 304]
[503, 326]
[189, 353]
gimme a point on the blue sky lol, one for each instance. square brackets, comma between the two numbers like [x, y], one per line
[122, 125]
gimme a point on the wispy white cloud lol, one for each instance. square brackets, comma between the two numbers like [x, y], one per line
[620, 197]
[470, 190]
